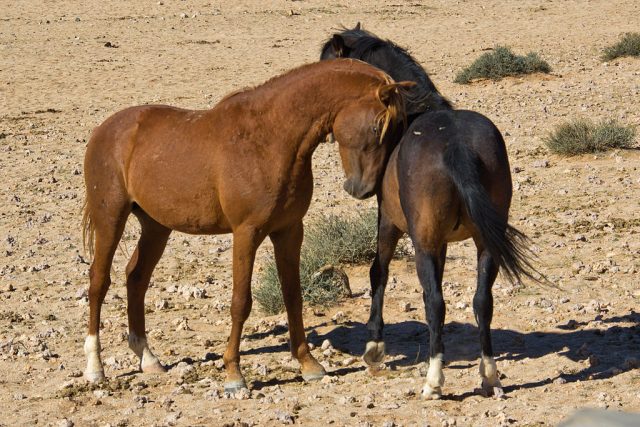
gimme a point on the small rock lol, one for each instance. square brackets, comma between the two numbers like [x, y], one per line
[388, 424]
[284, 417]
[183, 15]
[65, 422]
[560, 380]
[544, 163]
[338, 317]
[461, 305]
[326, 344]
[172, 418]
[405, 307]
[162, 304]
[348, 361]
[81, 293]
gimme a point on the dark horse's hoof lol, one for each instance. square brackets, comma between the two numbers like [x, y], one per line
[374, 353]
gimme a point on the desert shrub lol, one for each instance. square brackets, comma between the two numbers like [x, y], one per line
[329, 242]
[502, 62]
[583, 136]
[629, 45]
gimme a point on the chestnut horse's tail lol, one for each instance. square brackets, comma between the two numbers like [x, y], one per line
[508, 246]
[88, 229]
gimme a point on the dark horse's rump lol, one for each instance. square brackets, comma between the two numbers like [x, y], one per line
[397, 62]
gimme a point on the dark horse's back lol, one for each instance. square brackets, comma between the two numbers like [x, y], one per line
[464, 139]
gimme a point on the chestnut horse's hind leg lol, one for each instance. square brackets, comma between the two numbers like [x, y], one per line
[483, 309]
[388, 236]
[153, 240]
[286, 246]
[245, 244]
[108, 230]
[430, 267]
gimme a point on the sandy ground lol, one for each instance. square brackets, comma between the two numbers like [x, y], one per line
[559, 349]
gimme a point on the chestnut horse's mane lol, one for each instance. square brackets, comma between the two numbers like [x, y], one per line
[395, 106]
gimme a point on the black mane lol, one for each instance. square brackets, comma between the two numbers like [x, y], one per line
[395, 61]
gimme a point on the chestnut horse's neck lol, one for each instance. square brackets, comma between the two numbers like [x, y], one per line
[306, 101]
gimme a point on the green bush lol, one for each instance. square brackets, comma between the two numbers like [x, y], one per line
[583, 136]
[329, 242]
[502, 62]
[629, 45]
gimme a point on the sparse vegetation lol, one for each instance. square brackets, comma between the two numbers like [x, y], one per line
[629, 45]
[329, 242]
[584, 136]
[502, 62]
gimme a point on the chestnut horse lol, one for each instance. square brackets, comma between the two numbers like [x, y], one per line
[447, 180]
[243, 167]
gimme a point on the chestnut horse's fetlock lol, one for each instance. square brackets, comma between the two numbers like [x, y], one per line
[94, 372]
[149, 363]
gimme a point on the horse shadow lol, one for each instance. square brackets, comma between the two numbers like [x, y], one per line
[610, 351]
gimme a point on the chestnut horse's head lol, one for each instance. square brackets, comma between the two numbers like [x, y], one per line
[367, 131]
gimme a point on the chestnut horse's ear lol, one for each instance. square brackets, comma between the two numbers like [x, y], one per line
[357, 27]
[339, 47]
[387, 92]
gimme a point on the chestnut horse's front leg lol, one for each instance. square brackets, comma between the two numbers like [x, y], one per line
[286, 245]
[245, 243]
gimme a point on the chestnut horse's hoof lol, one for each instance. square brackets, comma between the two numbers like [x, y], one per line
[94, 377]
[374, 353]
[314, 375]
[232, 387]
[312, 370]
[154, 368]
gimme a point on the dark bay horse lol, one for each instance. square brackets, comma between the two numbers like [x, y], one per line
[243, 167]
[447, 180]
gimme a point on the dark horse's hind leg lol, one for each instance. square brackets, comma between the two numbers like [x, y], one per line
[388, 236]
[483, 309]
[430, 266]
[153, 240]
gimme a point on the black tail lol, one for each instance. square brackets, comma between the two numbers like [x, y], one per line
[508, 246]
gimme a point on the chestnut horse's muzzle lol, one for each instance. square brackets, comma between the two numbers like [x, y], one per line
[359, 190]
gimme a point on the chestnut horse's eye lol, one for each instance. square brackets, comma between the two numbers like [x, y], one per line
[375, 129]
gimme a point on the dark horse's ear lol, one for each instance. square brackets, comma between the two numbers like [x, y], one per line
[339, 46]
[387, 92]
[357, 27]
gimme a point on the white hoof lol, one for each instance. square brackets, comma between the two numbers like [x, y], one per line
[94, 377]
[431, 393]
[374, 353]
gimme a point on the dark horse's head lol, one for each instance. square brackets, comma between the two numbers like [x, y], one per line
[391, 58]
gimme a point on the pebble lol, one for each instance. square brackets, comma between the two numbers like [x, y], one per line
[172, 418]
[326, 344]
[339, 317]
[65, 422]
[162, 304]
[405, 307]
[284, 417]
